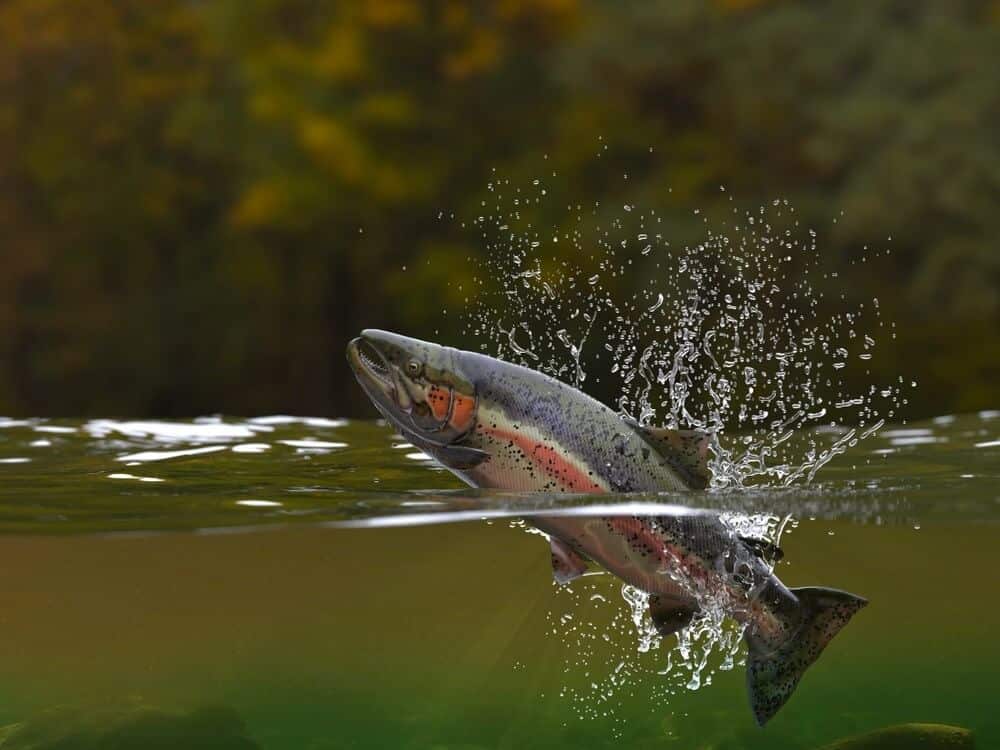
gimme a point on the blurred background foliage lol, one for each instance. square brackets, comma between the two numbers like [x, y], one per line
[201, 202]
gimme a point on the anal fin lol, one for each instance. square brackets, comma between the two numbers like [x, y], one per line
[567, 564]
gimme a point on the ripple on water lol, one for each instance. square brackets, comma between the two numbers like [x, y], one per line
[54, 429]
[284, 419]
[174, 432]
[363, 473]
[145, 456]
[313, 444]
[251, 448]
[133, 476]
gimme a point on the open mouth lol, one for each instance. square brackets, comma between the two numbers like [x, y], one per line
[372, 361]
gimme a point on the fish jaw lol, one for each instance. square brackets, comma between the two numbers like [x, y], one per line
[373, 374]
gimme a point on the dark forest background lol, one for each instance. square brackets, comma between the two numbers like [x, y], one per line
[201, 202]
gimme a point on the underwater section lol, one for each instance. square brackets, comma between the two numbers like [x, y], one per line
[319, 583]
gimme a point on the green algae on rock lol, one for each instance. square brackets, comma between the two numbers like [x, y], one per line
[910, 737]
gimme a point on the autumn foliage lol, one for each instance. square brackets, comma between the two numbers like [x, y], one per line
[200, 202]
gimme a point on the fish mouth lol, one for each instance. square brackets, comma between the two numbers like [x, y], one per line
[366, 358]
[381, 382]
[372, 370]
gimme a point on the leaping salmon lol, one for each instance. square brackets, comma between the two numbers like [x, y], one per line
[499, 425]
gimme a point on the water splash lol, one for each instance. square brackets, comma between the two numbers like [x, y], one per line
[627, 658]
[733, 335]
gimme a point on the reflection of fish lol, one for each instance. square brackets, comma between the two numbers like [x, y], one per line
[499, 425]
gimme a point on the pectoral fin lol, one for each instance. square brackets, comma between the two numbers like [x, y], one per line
[686, 451]
[566, 563]
[669, 614]
[461, 457]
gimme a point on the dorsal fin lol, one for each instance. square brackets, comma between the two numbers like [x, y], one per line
[686, 451]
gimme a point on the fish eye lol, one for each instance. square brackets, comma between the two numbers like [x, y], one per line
[413, 367]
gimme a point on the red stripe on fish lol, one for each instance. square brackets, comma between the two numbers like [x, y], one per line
[549, 461]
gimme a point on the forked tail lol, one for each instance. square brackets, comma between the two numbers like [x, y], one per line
[774, 671]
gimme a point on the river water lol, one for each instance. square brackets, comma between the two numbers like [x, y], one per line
[286, 582]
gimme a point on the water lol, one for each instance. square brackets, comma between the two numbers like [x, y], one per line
[331, 588]
[747, 330]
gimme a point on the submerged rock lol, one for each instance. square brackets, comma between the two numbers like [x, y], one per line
[910, 737]
[133, 728]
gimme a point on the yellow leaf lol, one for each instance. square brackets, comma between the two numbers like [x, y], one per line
[260, 204]
[455, 14]
[736, 6]
[334, 145]
[481, 55]
[390, 13]
[515, 9]
[389, 109]
[342, 54]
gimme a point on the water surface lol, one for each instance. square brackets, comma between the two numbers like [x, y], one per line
[311, 576]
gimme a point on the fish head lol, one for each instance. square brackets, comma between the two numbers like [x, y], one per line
[418, 386]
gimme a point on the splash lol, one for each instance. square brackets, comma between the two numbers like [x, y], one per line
[625, 659]
[733, 334]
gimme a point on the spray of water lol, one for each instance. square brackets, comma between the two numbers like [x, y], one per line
[731, 334]
[609, 664]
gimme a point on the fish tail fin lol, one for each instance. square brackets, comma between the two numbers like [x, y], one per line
[773, 671]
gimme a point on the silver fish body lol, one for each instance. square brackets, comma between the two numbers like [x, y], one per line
[503, 426]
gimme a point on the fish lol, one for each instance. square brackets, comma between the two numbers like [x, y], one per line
[500, 425]
[497, 424]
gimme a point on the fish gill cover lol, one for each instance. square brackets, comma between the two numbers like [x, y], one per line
[730, 334]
